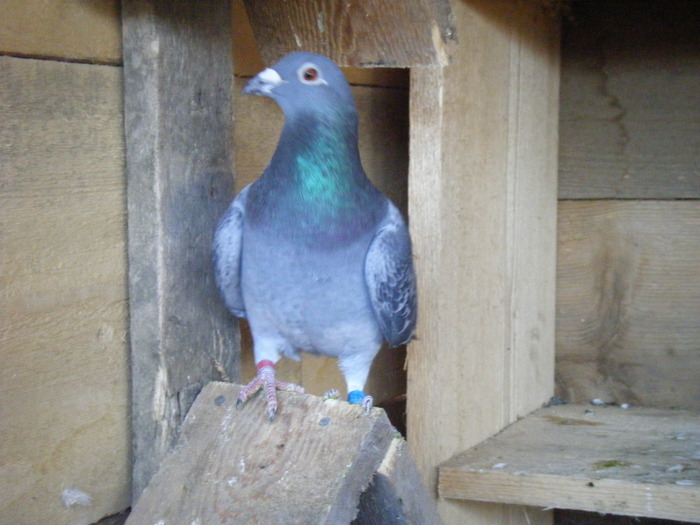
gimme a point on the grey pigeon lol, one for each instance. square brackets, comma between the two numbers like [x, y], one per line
[311, 253]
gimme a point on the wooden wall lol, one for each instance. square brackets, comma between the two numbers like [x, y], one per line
[628, 286]
[64, 380]
[64, 385]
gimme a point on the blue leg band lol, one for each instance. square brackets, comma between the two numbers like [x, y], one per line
[356, 396]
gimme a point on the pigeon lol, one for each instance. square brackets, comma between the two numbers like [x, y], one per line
[312, 254]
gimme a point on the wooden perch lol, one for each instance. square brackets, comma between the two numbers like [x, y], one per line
[310, 466]
[367, 33]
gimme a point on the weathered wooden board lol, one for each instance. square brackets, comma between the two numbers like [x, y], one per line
[63, 29]
[630, 103]
[401, 34]
[308, 467]
[384, 149]
[248, 62]
[178, 121]
[482, 207]
[64, 403]
[636, 462]
[628, 302]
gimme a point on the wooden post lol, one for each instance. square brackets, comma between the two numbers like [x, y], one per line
[178, 120]
[482, 208]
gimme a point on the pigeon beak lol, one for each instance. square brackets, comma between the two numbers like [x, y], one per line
[263, 83]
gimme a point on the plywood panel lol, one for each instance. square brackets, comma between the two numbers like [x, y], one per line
[482, 201]
[383, 146]
[64, 29]
[630, 110]
[64, 411]
[628, 301]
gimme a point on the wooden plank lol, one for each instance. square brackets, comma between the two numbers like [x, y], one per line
[482, 207]
[178, 113]
[630, 103]
[401, 34]
[248, 62]
[383, 135]
[233, 466]
[64, 403]
[628, 299]
[62, 29]
[636, 462]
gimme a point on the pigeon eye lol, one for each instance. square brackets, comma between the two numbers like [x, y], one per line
[309, 74]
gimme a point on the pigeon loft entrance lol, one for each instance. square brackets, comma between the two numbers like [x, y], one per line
[548, 169]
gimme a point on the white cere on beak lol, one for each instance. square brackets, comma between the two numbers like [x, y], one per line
[270, 79]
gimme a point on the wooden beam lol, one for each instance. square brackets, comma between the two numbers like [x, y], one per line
[367, 33]
[178, 118]
[482, 210]
[635, 462]
[308, 467]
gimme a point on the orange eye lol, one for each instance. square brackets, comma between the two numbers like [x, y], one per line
[310, 74]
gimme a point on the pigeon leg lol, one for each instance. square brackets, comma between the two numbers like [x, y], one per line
[266, 380]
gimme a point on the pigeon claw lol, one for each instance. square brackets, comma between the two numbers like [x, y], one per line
[333, 393]
[266, 380]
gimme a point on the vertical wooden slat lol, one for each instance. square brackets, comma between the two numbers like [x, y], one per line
[482, 208]
[178, 119]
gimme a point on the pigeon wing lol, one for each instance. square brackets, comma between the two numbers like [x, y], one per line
[391, 281]
[227, 254]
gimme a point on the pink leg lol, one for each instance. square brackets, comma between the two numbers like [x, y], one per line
[266, 379]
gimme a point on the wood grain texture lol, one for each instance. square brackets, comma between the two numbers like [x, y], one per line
[62, 29]
[234, 466]
[401, 34]
[636, 462]
[178, 120]
[64, 403]
[383, 135]
[628, 299]
[630, 110]
[482, 207]
[397, 494]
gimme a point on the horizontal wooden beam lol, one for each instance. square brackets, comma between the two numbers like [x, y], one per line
[635, 462]
[369, 33]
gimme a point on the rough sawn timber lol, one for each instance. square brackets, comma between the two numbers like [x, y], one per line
[178, 120]
[367, 33]
[308, 467]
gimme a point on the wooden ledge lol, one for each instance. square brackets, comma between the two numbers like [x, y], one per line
[636, 462]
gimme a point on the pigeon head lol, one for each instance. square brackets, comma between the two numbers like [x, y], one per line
[303, 82]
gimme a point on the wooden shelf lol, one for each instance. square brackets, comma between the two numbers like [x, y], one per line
[636, 461]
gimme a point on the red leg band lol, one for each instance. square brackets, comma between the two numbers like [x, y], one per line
[264, 363]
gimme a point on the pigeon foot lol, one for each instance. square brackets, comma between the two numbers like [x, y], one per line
[266, 380]
[331, 394]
